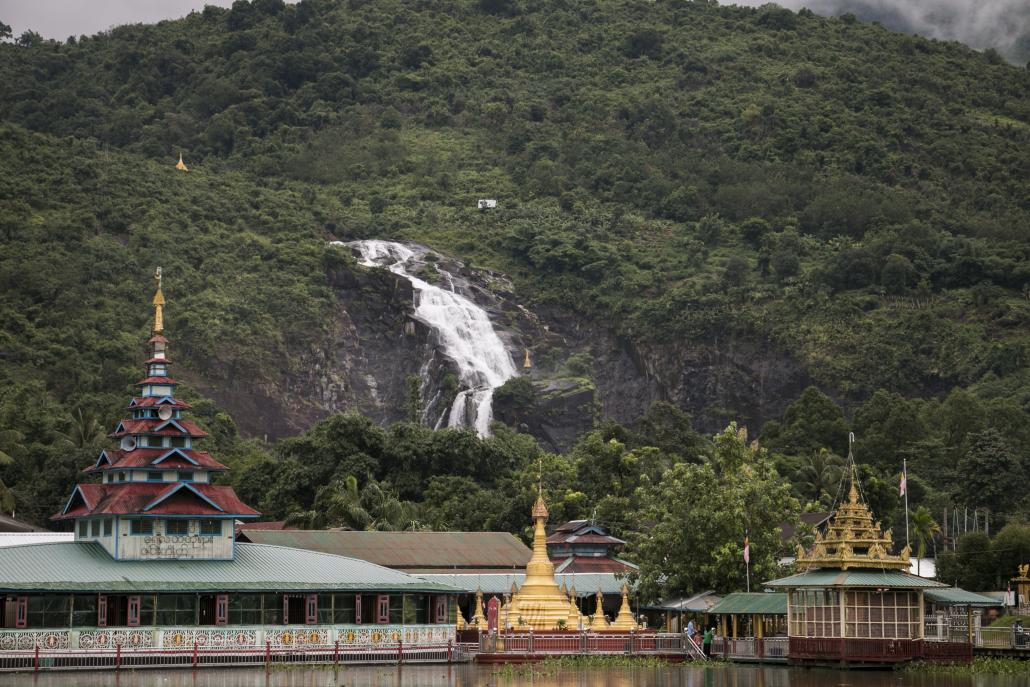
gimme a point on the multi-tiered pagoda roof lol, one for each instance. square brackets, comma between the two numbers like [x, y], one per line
[157, 483]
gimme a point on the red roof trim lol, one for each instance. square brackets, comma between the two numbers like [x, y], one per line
[156, 380]
[149, 401]
[150, 426]
[175, 490]
[142, 458]
[134, 498]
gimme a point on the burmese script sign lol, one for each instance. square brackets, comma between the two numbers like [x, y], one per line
[186, 546]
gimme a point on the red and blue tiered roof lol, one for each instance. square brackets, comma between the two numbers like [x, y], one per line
[155, 440]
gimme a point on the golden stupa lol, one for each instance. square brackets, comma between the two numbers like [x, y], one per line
[852, 540]
[540, 604]
[625, 620]
[597, 620]
[180, 165]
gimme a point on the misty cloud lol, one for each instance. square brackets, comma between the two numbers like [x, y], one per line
[1000, 24]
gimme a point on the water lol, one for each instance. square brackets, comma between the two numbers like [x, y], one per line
[471, 675]
[462, 329]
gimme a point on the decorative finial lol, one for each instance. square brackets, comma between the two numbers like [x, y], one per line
[159, 302]
[181, 166]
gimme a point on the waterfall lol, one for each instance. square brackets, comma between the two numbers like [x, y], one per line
[462, 329]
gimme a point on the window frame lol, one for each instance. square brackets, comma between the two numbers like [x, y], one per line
[206, 528]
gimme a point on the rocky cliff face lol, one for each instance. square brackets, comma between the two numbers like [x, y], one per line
[379, 360]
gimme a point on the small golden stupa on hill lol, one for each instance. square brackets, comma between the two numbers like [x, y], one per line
[540, 604]
[180, 165]
[852, 540]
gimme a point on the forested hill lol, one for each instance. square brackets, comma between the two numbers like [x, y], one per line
[695, 179]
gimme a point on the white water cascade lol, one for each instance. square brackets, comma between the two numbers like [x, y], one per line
[463, 331]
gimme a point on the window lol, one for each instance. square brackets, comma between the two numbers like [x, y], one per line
[101, 611]
[177, 528]
[814, 613]
[272, 609]
[211, 528]
[440, 609]
[311, 609]
[107, 527]
[325, 609]
[94, 528]
[358, 618]
[245, 609]
[155, 476]
[176, 609]
[83, 528]
[84, 613]
[121, 476]
[185, 475]
[888, 615]
[134, 608]
[140, 526]
[383, 609]
[222, 609]
[180, 442]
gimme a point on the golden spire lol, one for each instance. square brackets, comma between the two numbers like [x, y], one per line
[526, 365]
[180, 165]
[625, 620]
[159, 303]
[478, 619]
[597, 620]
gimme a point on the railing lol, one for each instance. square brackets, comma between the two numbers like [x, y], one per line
[107, 659]
[941, 630]
[876, 650]
[750, 648]
[564, 643]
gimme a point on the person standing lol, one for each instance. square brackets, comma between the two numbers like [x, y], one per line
[706, 642]
[690, 629]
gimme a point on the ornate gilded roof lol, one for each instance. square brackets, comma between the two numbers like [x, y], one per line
[852, 540]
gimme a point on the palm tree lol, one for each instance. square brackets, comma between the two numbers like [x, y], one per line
[923, 528]
[84, 431]
[372, 508]
[820, 473]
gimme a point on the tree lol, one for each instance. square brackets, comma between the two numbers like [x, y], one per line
[988, 472]
[811, 423]
[898, 274]
[1011, 548]
[820, 475]
[971, 566]
[696, 517]
[923, 529]
[5, 31]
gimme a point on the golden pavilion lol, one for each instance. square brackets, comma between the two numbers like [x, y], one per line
[849, 586]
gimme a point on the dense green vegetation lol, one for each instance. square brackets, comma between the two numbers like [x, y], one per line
[682, 172]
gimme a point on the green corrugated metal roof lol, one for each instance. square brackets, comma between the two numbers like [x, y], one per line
[87, 567]
[954, 596]
[744, 603]
[499, 583]
[855, 578]
[406, 549]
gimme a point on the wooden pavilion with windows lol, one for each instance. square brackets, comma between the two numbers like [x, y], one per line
[853, 602]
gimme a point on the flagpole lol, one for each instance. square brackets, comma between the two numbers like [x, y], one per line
[747, 560]
[904, 472]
